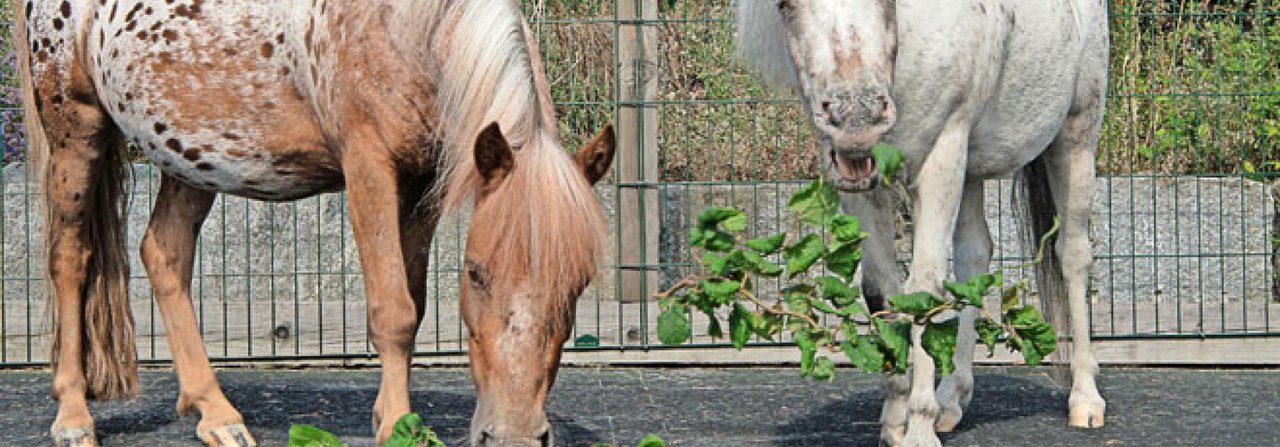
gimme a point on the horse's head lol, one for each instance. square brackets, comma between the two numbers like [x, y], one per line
[843, 52]
[531, 250]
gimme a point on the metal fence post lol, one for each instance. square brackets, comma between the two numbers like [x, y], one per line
[637, 148]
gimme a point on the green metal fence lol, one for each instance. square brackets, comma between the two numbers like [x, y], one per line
[1184, 229]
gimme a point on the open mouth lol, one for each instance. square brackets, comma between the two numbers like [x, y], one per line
[852, 174]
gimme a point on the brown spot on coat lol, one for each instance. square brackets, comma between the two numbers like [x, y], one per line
[173, 144]
[192, 154]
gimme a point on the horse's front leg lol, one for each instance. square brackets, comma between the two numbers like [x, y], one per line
[972, 256]
[373, 191]
[877, 210]
[168, 251]
[936, 203]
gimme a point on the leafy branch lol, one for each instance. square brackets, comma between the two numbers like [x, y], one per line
[817, 302]
[407, 432]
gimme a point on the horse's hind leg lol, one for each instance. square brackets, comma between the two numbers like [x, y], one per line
[78, 150]
[1070, 166]
[971, 256]
[168, 250]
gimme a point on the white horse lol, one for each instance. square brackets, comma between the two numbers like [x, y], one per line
[969, 90]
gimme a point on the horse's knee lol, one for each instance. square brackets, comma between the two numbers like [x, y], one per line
[391, 327]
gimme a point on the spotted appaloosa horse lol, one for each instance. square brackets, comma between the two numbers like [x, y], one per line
[969, 90]
[417, 108]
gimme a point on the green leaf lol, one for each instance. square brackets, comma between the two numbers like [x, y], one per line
[843, 259]
[409, 432]
[895, 338]
[823, 306]
[673, 326]
[720, 290]
[824, 369]
[802, 255]
[988, 332]
[739, 325]
[767, 245]
[303, 435]
[766, 325]
[713, 327]
[865, 353]
[731, 219]
[973, 289]
[797, 297]
[835, 290]
[808, 348]
[815, 203]
[1033, 337]
[651, 440]
[757, 264]
[939, 341]
[845, 228]
[888, 160]
[917, 304]
[714, 263]
[711, 239]
[1009, 298]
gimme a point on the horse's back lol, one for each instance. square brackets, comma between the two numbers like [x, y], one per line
[1019, 69]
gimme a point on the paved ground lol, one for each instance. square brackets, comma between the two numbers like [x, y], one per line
[698, 407]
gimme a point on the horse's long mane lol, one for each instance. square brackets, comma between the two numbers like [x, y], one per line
[488, 75]
[762, 43]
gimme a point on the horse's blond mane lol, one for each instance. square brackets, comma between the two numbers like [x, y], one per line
[545, 206]
[761, 43]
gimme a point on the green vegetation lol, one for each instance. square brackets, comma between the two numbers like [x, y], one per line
[408, 432]
[817, 301]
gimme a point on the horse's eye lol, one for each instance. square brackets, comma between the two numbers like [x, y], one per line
[477, 274]
[785, 7]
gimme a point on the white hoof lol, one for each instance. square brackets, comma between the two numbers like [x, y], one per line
[1088, 414]
[921, 438]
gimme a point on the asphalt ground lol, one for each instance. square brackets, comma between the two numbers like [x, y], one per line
[694, 407]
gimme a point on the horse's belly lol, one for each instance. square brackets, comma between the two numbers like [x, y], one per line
[253, 173]
[209, 95]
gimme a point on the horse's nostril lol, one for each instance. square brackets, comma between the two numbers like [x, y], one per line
[545, 439]
[826, 106]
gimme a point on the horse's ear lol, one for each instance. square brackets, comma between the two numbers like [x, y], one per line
[494, 159]
[594, 158]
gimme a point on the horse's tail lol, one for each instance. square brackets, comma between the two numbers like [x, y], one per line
[106, 320]
[1039, 212]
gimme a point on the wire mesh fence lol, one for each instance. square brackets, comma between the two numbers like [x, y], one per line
[1184, 227]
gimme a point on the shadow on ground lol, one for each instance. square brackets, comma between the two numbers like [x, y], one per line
[853, 419]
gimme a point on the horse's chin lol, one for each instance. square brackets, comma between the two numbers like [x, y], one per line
[851, 174]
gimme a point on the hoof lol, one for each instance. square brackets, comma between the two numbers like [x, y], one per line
[924, 438]
[891, 435]
[1087, 416]
[234, 435]
[74, 437]
[948, 419]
